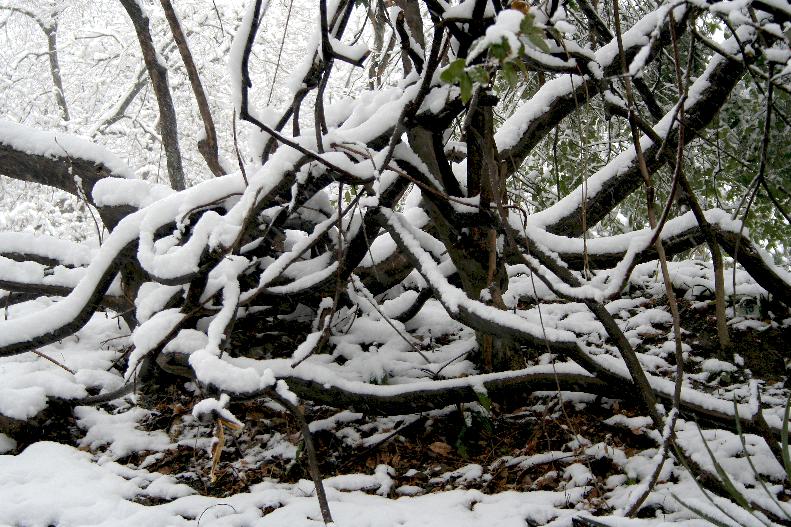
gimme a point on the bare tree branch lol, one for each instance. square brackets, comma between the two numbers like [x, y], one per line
[208, 145]
[158, 74]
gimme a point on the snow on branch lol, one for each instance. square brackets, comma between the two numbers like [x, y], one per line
[67, 162]
[562, 96]
[611, 184]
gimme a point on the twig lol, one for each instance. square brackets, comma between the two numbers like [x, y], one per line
[238, 153]
[53, 361]
[310, 449]
[669, 424]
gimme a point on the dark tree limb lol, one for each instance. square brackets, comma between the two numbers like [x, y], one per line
[54, 68]
[28, 291]
[119, 110]
[566, 102]
[81, 314]
[158, 74]
[721, 79]
[74, 175]
[208, 145]
[509, 386]
[603, 36]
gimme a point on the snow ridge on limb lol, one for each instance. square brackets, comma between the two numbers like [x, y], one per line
[69, 315]
[494, 321]
[618, 179]
[559, 97]
[322, 385]
[457, 304]
[621, 253]
[45, 265]
[67, 162]
[38, 279]
[61, 146]
[46, 250]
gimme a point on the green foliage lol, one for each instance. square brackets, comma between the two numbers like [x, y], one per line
[461, 443]
[457, 73]
[533, 33]
[483, 398]
[466, 77]
[454, 70]
[720, 164]
[727, 161]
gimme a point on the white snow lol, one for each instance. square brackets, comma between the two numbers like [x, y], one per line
[59, 144]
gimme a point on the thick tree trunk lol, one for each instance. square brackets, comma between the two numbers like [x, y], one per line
[481, 269]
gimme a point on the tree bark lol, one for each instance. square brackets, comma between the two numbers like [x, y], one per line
[208, 145]
[158, 74]
[54, 68]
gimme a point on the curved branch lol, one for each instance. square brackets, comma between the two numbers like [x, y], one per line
[470, 312]
[679, 234]
[121, 247]
[772, 278]
[46, 250]
[28, 291]
[322, 386]
[72, 313]
[63, 161]
[560, 97]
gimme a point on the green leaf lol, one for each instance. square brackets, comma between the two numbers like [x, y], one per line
[460, 444]
[534, 34]
[483, 422]
[501, 50]
[461, 448]
[528, 23]
[453, 72]
[465, 84]
[521, 66]
[483, 398]
[509, 74]
[536, 37]
[480, 75]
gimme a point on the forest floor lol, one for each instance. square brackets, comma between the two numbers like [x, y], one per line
[543, 460]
